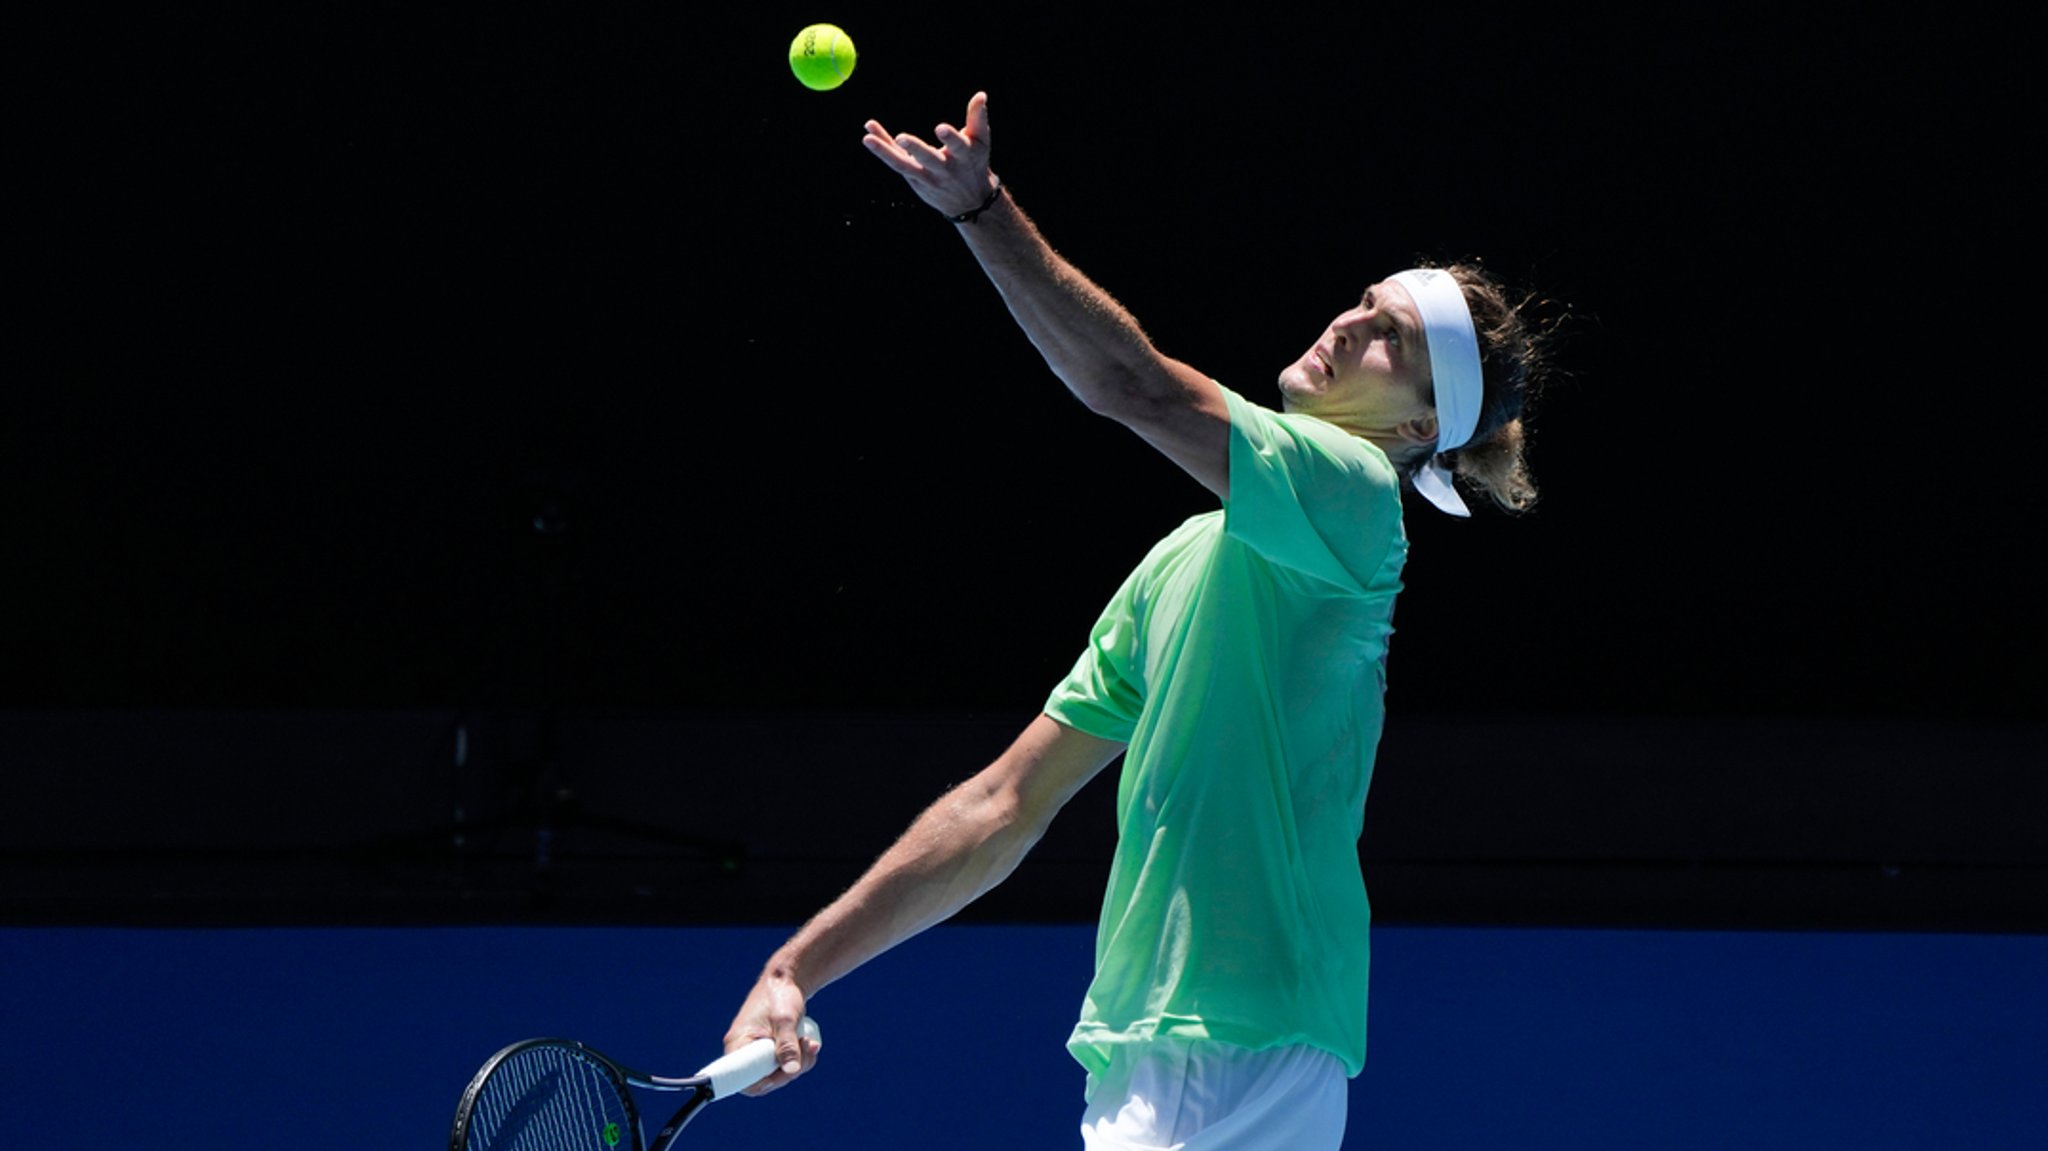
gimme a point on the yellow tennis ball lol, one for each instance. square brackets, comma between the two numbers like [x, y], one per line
[822, 56]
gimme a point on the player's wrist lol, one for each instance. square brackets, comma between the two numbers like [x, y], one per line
[995, 194]
[786, 969]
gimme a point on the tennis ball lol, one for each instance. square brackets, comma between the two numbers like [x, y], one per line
[821, 56]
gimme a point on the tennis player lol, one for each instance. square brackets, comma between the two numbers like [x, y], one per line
[1239, 671]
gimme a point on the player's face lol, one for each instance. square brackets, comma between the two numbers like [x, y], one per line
[1370, 369]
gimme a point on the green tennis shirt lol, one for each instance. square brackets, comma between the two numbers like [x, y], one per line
[1244, 663]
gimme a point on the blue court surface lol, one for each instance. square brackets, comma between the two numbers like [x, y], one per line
[354, 1039]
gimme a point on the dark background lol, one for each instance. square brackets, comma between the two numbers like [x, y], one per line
[430, 427]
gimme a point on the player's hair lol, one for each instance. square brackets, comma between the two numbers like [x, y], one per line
[1511, 363]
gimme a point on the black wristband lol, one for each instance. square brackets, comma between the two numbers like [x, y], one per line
[968, 216]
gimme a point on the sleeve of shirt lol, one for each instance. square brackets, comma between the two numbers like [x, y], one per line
[1102, 696]
[1310, 496]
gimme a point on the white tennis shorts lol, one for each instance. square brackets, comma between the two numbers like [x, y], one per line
[1194, 1095]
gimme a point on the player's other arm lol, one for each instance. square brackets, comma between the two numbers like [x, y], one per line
[966, 843]
[1090, 341]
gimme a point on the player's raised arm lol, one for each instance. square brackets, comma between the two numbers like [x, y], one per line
[1095, 346]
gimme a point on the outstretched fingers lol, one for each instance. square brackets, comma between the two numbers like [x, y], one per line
[903, 151]
[884, 146]
[977, 118]
[975, 135]
[952, 175]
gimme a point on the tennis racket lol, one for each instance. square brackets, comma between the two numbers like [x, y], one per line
[558, 1095]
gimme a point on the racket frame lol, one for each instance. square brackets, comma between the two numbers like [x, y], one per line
[730, 1073]
[619, 1074]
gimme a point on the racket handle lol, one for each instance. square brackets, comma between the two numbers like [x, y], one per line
[735, 1071]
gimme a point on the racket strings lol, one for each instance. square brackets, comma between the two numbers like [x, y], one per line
[550, 1099]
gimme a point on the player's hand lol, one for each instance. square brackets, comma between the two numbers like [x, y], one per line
[774, 1009]
[953, 176]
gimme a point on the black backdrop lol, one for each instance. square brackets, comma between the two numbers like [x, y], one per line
[527, 372]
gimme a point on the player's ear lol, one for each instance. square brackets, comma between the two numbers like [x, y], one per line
[1420, 430]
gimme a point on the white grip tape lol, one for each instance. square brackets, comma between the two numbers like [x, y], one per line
[735, 1071]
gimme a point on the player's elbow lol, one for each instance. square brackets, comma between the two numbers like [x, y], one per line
[1008, 820]
[1121, 392]
[1004, 811]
